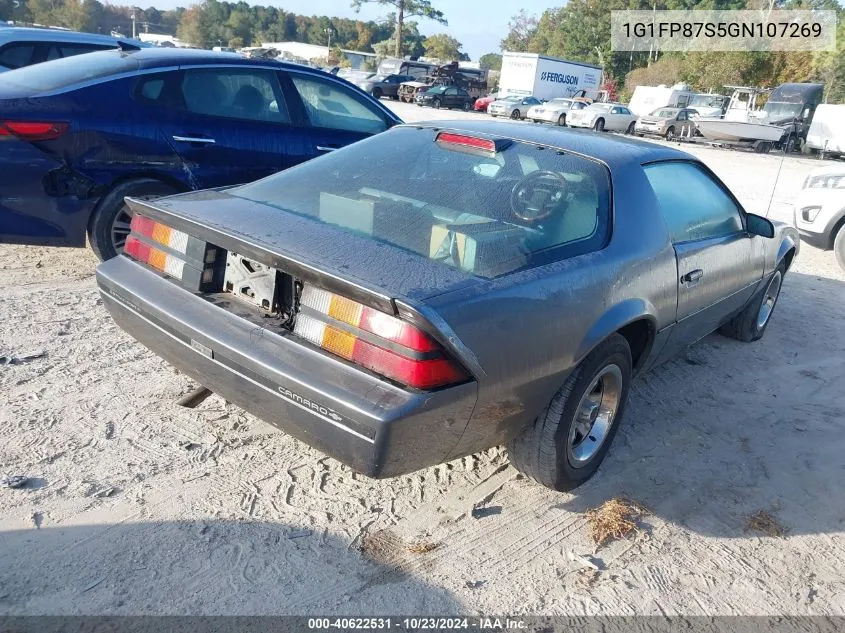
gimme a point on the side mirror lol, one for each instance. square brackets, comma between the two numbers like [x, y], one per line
[758, 225]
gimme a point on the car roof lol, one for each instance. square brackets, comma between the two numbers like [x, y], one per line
[613, 150]
[31, 34]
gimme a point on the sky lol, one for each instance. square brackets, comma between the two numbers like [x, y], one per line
[478, 24]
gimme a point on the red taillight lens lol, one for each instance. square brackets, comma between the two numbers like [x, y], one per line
[32, 130]
[380, 342]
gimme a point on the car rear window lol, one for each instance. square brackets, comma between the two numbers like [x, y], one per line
[485, 213]
[62, 73]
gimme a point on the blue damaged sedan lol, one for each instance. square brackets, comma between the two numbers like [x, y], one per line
[78, 135]
[443, 288]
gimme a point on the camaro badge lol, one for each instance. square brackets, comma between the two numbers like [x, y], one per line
[310, 405]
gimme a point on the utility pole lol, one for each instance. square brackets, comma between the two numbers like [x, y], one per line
[134, 33]
[328, 31]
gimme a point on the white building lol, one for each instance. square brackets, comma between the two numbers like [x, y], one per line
[157, 39]
[301, 50]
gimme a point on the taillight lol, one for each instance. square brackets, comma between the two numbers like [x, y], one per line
[32, 130]
[377, 341]
[172, 252]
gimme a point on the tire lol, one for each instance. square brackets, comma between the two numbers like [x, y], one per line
[630, 130]
[467, 106]
[790, 145]
[669, 133]
[750, 324]
[839, 247]
[549, 450]
[377, 93]
[436, 104]
[599, 125]
[105, 238]
[561, 121]
[516, 115]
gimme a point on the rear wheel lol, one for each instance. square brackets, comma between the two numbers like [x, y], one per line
[669, 133]
[630, 129]
[377, 93]
[516, 114]
[599, 126]
[561, 121]
[109, 225]
[839, 247]
[750, 324]
[569, 440]
[467, 106]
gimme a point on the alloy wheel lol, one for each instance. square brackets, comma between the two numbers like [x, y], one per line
[770, 298]
[595, 416]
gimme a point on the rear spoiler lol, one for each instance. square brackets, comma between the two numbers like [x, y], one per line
[419, 315]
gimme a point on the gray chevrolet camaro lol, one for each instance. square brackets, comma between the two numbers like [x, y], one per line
[444, 288]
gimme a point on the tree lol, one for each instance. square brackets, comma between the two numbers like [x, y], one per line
[520, 30]
[405, 9]
[443, 47]
[493, 61]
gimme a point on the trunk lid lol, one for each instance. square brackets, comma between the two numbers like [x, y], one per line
[372, 272]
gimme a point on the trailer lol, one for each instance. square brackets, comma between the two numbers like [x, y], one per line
[530, 74]
[647, 99]
[827, 130]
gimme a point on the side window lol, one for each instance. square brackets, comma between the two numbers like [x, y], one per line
[682, 115]
[17, 55]
[69, 50]
[694, 206]
[462, 93]
[332, 105]
[253, 94]
[616, 111]
[451, 92]
[160, 89]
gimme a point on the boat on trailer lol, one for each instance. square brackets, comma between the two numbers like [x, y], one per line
[744, 122]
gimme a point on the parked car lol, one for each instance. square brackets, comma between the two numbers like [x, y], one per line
[667, 122]
[482, 103]
[383, 86]
[554, 111]
[78, 135]
[445, 97]
[604, 116]
[514, 107]
[22, 46]
[820, 210]
[487, 249]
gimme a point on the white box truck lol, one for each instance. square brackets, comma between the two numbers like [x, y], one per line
[647, 99]
[546, 77]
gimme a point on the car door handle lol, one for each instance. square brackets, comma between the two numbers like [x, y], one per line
[326, 148]
[194, 139]
[692, 276]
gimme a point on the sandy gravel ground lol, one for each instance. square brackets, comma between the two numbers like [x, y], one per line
[137, 506]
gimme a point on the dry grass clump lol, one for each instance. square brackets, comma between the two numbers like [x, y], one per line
[763, 522]
[422, 547]
[614, 519]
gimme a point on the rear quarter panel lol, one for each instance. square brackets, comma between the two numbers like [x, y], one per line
[529, 329]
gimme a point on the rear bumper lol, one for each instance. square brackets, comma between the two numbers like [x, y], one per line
[816, 240]
[372, 426]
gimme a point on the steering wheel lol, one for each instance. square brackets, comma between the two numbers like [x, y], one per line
[536, 196]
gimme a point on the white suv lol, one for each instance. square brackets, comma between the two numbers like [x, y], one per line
[820, 210]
